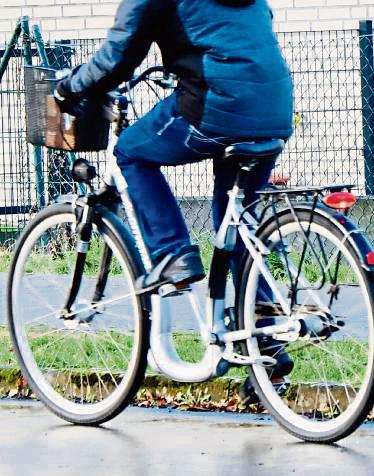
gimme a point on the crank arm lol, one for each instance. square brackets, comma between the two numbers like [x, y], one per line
[237, 359]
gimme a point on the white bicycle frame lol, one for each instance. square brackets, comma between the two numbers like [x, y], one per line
[220, 342]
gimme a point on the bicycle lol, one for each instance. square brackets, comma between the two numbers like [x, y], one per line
[85, 354]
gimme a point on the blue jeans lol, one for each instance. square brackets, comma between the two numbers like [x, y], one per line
[164, 137]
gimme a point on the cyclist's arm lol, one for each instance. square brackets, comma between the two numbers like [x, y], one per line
[125, 47]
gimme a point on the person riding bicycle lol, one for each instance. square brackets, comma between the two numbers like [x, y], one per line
[234, 85]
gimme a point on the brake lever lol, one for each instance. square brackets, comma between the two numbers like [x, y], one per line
[167, 82]
[121, 111]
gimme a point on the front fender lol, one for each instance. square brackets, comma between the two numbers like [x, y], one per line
[67, 198]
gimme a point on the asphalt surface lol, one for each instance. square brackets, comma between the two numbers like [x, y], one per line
[47, 290]
[142, 442]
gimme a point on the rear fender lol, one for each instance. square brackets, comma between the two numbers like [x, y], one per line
[354, 236]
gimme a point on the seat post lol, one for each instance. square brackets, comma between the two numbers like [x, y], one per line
[247, 155]
[242, 175]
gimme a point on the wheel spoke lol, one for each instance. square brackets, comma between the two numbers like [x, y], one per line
[327, 387]
[83, 367]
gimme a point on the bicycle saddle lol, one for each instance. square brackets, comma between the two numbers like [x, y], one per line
[247, 151]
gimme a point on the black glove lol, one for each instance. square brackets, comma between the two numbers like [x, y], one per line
[67, 101]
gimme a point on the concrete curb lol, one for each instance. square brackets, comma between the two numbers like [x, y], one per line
[12, 385]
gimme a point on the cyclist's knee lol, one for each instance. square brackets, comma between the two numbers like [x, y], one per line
[121, 156]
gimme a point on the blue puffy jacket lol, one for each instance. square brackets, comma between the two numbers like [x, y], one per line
[233, 78]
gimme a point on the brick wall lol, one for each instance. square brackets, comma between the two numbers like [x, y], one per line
[65, 19]
[91, 18]
[302, 15]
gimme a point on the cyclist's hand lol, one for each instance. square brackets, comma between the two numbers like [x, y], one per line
[67, 102]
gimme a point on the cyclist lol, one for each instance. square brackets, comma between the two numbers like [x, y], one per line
[233, 85]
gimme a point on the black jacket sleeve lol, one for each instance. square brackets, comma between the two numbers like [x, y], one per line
[125, 47]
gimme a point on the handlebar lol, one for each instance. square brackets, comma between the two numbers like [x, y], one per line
[118, 97]
[115, 103]
[141, 77]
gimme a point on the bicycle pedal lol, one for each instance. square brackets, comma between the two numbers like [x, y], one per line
[265, 361]
[168, 290]
[238, 359]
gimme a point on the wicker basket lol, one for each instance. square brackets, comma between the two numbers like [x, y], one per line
[47, 126]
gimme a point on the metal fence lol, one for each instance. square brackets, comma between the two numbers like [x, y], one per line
[333, 142]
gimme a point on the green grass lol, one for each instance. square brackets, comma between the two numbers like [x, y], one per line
[6, 355]
[311, 363]
[189, 346]
[4, 228]
[70, 356]
[5, 258]
[61, 261]
[206, 246]
[310, 269]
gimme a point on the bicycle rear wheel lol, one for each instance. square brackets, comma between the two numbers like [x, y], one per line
[330, 389]
[85, 367]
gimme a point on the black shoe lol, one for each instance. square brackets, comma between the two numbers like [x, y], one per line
[248, 395]
[275, 348]
[183, 267]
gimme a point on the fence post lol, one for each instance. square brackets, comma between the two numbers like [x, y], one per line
[9, 50]
[38, 158]
[367, 90]
[40, 45]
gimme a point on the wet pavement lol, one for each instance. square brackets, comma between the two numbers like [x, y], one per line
[142, 442]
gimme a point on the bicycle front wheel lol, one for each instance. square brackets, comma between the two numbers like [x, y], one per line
[87, 366]
[329, 392]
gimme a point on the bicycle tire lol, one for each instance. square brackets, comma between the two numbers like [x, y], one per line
[86, 369]
[329, 420]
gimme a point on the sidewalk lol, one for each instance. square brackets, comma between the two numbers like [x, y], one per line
[185, 319]
[158, 442]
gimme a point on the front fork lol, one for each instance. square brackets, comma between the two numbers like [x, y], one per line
[84, 228]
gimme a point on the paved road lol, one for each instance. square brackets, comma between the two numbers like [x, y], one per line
[48, 289]
[143, 442]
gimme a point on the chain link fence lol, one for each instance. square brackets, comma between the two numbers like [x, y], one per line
[333, 142]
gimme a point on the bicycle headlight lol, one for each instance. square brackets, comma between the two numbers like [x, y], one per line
[82, 171]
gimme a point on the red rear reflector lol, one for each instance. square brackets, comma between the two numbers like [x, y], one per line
[370, 257]
[340, 200]
[280, 180]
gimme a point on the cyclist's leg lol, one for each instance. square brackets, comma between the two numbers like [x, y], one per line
[225, 175]
[162, 137]
[224, 180]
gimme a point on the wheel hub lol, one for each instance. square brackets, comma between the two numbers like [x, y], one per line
[82, 312]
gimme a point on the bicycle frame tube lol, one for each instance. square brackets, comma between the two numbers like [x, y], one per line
[113, 176]
[163, 355]
[232, 217]
[255, 246]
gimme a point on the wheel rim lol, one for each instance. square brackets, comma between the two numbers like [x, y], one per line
[337, 385]
[83, 366]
